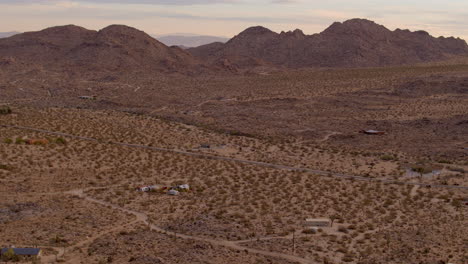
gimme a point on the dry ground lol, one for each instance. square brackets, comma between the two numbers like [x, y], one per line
[418, 106]
[229, 201]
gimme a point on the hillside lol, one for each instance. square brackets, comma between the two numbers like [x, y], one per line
[353, 43]
[115, 48]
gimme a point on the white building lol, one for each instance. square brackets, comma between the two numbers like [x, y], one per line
[183, 187]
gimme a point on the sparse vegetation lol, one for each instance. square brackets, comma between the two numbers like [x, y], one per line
[255, 205]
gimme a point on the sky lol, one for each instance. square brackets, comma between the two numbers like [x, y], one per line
[229, 17]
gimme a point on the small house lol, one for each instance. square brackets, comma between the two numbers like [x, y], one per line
[24, 252]
[317, 222]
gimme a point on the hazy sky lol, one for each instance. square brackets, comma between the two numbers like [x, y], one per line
[229, 17]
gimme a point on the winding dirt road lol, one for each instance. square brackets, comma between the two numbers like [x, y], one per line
[144, 218]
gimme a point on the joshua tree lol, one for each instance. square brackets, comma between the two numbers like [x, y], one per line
[419, 170]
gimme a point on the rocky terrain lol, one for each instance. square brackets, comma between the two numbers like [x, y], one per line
[353, 43]
[76, 50]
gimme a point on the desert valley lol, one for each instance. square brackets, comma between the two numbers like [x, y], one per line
[347, 146]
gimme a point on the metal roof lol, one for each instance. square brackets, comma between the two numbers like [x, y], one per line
[318, 220]
[23, 251]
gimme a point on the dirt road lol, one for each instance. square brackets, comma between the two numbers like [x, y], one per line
[144, 218]
[257, 163]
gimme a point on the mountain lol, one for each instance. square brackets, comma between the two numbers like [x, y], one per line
[353, 43]
[8, 34]
[115, 48]
[189, 41]
[121, 49]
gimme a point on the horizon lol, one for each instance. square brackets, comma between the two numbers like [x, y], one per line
[179, 34]
[227, 18]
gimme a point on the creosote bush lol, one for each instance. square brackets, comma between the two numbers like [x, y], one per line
[5, 110]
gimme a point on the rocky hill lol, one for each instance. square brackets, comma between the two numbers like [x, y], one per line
[353, 43]
[123, 50]
[116, 48]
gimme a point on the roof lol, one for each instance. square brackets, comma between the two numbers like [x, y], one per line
[173, 192]
[318, 220]
[23, 251]
[372, 132]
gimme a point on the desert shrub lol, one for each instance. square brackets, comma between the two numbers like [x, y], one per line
[457, 169]
[60, 140]
[20, 141]
[342, 250]
[421, 169]
[387, 157]
[57, 239]
[8, 141]
[342, 229]
[456, 203]
[10, 255]
[5, 167]
[5, 110]
[348, 258]
[309, 231]
[445, 161]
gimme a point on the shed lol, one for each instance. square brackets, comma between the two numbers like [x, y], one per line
[317, 222]
[24, 252]
[183, 187]
[143, 189]
[155, 187]
[87, 97]
[173, 192]
[372, 132]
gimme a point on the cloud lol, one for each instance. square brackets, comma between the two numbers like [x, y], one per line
[285, 1]
[148, 2]
[214, 16]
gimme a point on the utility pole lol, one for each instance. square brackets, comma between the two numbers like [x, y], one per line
[294, 242]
